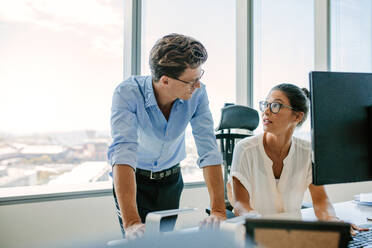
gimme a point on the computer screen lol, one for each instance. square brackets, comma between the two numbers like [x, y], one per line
[340, 126]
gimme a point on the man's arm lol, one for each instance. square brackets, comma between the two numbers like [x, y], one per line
[125, 189]
[122, 152]
[209, 159]
[213, 179]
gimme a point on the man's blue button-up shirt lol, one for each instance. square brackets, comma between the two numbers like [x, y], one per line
[143, 138]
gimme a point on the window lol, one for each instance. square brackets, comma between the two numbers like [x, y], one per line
[351, 35]
[60, 62]
[214, 25]
[283, 47]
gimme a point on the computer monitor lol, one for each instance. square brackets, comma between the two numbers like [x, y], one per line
[295, 233]
[341, 131]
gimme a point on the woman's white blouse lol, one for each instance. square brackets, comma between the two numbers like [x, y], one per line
[253, 168]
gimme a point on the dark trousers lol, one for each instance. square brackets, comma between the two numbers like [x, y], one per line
[155, 195]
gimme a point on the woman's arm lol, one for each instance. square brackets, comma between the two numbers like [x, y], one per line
[240, 198]
[322, 206]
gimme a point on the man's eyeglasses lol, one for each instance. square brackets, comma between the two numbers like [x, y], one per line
[190, 83]
[274, 106]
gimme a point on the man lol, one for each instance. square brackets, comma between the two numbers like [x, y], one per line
[149, 116]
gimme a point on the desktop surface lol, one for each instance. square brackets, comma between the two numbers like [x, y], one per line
[347, 211]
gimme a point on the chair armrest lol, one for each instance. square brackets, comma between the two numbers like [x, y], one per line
[305, 205]
[229, 213]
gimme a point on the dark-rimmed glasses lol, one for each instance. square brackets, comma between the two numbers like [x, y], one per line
[274, 106]
[190, 83]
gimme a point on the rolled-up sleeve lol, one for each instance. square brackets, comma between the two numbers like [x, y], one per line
[240, 168]
[123, 149]
[202, 129]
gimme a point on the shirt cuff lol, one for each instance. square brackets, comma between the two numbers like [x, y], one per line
[210, 158]
[118, 156]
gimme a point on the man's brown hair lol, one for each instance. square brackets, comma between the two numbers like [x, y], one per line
[173, 53]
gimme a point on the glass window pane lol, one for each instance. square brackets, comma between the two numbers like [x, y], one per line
[283, 47]
[214, 25]
[351, 35]
[59, 64]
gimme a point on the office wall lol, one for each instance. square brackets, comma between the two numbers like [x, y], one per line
[91, 220]
[84, 221]
[344, 191]
[57, 222]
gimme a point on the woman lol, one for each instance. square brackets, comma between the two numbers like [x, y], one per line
[271, 172]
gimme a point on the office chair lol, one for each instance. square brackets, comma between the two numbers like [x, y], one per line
[233, 118]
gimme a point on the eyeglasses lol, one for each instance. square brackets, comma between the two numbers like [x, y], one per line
[274, 106]
[190, 83]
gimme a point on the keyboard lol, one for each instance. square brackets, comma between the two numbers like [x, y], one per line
[362, 239]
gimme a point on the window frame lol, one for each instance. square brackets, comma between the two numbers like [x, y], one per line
[132, 66]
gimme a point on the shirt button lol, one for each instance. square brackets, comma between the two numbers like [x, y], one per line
[156, 163]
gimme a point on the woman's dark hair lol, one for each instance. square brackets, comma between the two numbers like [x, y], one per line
[298, 98]
[173, 53]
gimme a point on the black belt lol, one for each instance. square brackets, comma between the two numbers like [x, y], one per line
[159, 174]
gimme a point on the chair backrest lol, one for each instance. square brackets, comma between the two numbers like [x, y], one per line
[238, 117]
[234, 117]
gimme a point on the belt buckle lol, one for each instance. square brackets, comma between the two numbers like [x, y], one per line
[151, 176]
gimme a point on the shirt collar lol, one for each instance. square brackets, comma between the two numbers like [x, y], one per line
[150, 99]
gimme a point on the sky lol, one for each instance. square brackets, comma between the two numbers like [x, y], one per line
[60, 62]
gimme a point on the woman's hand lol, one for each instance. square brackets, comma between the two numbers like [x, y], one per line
[352, 228]
[355, 227]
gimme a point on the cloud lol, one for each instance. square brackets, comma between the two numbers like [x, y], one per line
[50, 13]
[106, 46]
[100, 20]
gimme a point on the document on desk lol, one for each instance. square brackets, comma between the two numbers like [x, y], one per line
[364, 199]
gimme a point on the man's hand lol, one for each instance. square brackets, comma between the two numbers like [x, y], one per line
[212, 221]
[125, 187]
[135, 231]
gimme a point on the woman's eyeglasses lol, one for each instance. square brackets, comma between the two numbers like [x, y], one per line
[274, 106]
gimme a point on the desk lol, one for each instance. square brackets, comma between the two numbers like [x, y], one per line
[346, 211]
